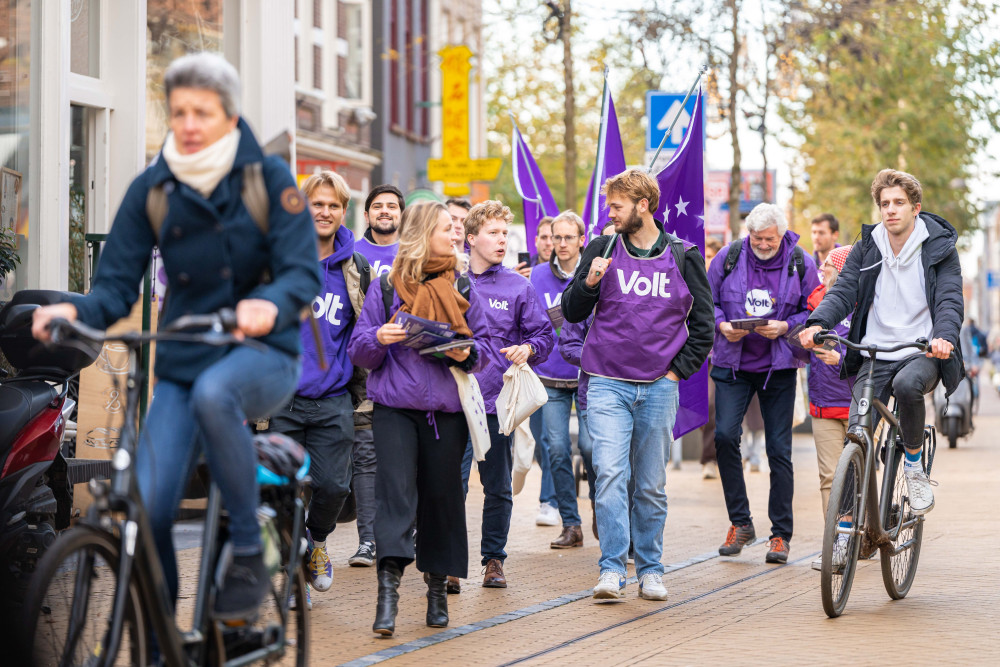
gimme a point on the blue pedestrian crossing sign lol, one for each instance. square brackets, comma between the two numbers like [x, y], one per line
[661, 108]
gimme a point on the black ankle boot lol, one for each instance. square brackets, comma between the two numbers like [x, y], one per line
[388, 598]
[437, 600]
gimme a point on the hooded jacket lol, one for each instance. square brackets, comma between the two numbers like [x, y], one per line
[380, 257]
[789, 294]
[214, 255]
[400, 377]
[515, 318]
[854, 291]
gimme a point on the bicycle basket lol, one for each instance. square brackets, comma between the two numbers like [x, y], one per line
[280, 459]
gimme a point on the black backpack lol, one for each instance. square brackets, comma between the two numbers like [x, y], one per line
[463, 284]
[796, 265]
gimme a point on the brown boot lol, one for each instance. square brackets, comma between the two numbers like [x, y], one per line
[454, 585]
[494, 574]
[571, 537]
[593, 524]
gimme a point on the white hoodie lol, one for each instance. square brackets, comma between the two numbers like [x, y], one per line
[899, 313]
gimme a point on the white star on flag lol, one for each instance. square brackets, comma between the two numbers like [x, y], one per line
[681, 206]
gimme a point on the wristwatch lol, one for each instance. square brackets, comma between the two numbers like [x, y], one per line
[531, 350]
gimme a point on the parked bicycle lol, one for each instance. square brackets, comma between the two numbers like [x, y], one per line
[860, 519]
[99, 596]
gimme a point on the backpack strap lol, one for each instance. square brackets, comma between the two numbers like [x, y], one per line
[254, 195]
[797, 264]
[677, 247]
[732, 257]
[365, 271]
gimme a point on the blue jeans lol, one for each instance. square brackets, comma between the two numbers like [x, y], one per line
[495, 474]
[547, 496]
[586, 446]
[776, 392]
[631, 424]
[555, 418]
[210, 417]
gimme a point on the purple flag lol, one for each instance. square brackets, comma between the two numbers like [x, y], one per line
[610, 162]
[682, 209]
[535, 195]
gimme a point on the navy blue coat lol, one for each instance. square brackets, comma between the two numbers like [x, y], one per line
[214, 255]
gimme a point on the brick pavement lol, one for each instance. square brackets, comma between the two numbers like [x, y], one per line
[718, 609]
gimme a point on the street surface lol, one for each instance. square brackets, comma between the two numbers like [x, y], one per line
[719, 610]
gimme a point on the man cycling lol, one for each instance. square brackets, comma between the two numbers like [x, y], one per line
[905, 279]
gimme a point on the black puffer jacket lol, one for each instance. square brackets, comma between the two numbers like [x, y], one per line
[943, 285]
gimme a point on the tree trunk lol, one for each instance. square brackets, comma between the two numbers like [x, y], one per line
[735, 179]
[569, 134]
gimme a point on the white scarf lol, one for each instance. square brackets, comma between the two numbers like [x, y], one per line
[203, 170]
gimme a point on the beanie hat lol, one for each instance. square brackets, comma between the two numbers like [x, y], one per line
[838, 256]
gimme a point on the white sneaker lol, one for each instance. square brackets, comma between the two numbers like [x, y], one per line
[651, 586]
[918, 488]
[840, 551]
[710, 470]
[611, 586]
[547, 516]
[309, 602]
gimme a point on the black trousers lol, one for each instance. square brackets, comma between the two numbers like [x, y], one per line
[325, 427]
[419, 482]
[908, 380]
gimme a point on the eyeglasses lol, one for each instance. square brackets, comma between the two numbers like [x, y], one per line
[568, 239]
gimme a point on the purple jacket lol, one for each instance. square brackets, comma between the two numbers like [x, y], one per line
[400, 377]
[549, 288]
[515, 318]
[571, 348]
[732, 294]
[334, 317]
[826, 389]
[380, 257]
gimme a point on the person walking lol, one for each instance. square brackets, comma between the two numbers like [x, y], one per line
[218, 252]
[768, 278]
[519, 332]
[384, 208]
[419, 427]
[561, 378]
[652, 327]
[320, 415]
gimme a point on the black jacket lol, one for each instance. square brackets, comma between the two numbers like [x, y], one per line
[855, 291]
[578, 301]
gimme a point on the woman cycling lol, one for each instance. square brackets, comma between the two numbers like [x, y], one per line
[216, 256]
[419, 427]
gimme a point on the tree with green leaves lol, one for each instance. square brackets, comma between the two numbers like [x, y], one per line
[890, 83]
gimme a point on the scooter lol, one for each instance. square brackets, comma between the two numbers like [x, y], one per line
[36, 479]
[953, 416]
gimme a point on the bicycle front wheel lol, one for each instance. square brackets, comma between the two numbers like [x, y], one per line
[899, 558]
[842, 535]
[68, 608]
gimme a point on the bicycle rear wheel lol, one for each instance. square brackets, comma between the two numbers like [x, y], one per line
[899, 559]
[840, 550]
[68, 608]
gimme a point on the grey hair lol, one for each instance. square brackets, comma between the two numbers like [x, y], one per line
[206, 71]
[764, 216]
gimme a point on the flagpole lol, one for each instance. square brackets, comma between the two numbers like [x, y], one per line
[531, 174]
[670, 129]
[598, 166]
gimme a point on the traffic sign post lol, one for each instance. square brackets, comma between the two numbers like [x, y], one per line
[661, 109]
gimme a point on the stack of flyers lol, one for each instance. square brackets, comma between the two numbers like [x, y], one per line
[423, 333]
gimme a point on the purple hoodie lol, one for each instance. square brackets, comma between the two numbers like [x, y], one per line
[826, 389]
[515, 318]
[333, 314]
[549, 288]
[760, 289]
[379, 256]
[400, 377]
[571, 347]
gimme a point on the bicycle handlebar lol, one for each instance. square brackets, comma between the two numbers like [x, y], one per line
[921, 344]
[219, 324]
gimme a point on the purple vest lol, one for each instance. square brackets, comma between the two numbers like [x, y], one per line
[379, 256]
[826, 389]
[640, 322]
[549, 289]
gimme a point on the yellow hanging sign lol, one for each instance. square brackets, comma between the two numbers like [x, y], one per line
[455, 167]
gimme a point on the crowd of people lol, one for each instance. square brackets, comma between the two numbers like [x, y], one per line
[611, 324]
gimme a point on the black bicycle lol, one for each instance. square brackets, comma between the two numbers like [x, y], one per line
[859, 519]
[99, 596]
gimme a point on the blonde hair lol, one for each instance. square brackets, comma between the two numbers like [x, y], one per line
[331, 179]
[415, 230]
[487, 210]
[633, 184]
[572, 218]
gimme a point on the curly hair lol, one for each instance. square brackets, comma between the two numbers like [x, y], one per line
[634, 184]
[890, 178]
[491, 209]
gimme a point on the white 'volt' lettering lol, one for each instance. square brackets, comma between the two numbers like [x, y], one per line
[641, 285]
[378, 268]
[322, 307]
[552, 301]
[497, 304]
